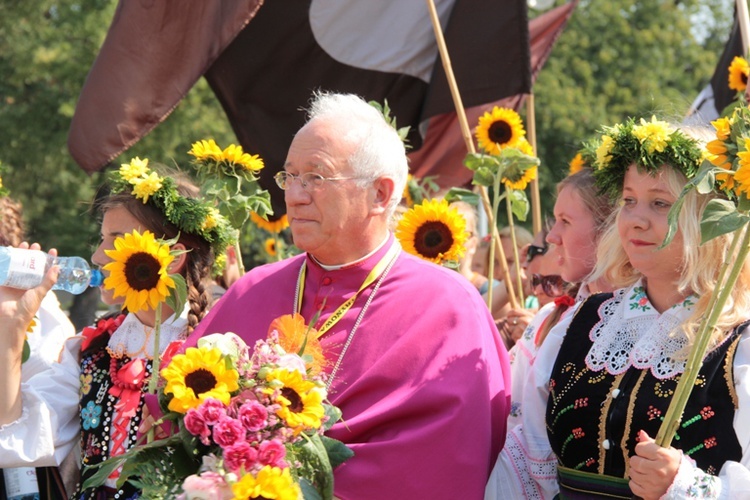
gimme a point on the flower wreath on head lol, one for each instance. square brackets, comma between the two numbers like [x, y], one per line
[649, 145]
[189, 215]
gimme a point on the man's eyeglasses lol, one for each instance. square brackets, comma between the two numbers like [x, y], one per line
[553, 285]
[308, 180]
[533, 251]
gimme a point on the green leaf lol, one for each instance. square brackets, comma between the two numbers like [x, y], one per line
[308, 490]
[26, 352]
[483, 177]
[177, 295]
[672, 217]
[106, 468]
[334, 415]
[705, 180]
[720, 217]
[743, 203]
[338, 452]
[519, 204]
[461, 194]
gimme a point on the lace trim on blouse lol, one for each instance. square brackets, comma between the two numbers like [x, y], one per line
[135, 340]
[631, 332]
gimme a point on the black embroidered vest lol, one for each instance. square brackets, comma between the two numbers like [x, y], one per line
[97, 408]
[593, 417]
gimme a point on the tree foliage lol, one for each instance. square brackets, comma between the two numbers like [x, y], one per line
[615, 59]
[619, 59]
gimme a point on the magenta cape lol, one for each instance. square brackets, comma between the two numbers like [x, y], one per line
[424, 387]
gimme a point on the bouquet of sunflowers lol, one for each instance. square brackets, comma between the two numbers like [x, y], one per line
[244, 423]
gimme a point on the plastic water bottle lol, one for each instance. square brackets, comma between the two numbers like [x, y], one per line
[21, 483]
[23, 268]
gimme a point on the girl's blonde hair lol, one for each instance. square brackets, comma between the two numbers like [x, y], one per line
[699, 269]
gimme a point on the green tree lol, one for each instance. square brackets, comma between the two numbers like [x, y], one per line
[618, 59]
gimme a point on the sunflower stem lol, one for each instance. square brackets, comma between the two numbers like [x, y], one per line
[698, 351]
[156, 360]
[512, 226]
[238, 253]
[491, 263]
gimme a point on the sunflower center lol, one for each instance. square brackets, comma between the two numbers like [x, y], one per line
[433, 238]
[295, 402]
[200, 381]
[142, 271]
[743, 77]
[500, 132]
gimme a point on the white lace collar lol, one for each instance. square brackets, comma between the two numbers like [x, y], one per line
[632, 333]
[135, 340]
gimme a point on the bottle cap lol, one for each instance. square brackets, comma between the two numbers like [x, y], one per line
[97, 278]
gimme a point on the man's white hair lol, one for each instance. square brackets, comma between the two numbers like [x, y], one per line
[378, 150]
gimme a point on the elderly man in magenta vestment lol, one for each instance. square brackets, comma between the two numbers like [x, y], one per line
[417, 366]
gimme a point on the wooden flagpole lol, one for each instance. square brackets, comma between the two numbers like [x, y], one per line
[536, 207]
[466, 133]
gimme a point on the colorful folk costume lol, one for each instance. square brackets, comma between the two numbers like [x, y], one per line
[417, 367]
[610, 367]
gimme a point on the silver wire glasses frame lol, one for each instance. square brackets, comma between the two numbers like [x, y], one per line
[308, 179]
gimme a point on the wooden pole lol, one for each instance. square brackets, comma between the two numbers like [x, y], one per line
[743, 18]
[536, 206]
[466, 133]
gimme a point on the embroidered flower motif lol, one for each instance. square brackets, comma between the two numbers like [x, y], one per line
[90, 416]
[86, 380]
[707, 412]
[704, 486]
[581, 402]
[578, 433]
[653, 413]
[639, 300]
[710, 442]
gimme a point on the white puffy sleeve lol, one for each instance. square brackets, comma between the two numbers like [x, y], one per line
[49, 426]
[526, 466]
[733, 480]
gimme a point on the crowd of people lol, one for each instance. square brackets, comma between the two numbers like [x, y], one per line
[442, 396]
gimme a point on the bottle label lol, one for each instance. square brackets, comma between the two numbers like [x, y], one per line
[21, 483]
[26, 268]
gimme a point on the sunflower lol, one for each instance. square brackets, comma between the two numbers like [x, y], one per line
[235, 155]
[146, 186]
[206, 150]
[576, 164]
[406, 196]
[271, 225]
[301, 401]
[502, 128]
[723, 128]
[742, 179]
[210, 221]
[654, 135]
[197, 375]
[292, 331]
[433, 231]
[135, 169]
[270, 246]
[718, 154]
[738, 73]
[138, 271]
[514, 179]
[270, 482]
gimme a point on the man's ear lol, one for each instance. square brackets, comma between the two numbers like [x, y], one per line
[179, 262]
[383, 192]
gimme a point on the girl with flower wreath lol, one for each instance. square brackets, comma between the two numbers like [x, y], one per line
[605, 382]
[93, 399]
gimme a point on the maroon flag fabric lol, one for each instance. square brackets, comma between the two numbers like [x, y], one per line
[265, 63]
[154, 53]
[444, 147]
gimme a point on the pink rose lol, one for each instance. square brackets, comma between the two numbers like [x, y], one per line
[240, 455]
[643, 301]
[212, 410]
[272, 453]
[228, 431]
[207, 486]
[253, 416]
[196, 425]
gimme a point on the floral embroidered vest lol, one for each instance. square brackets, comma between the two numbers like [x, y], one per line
[593, 417]
[97, 412]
